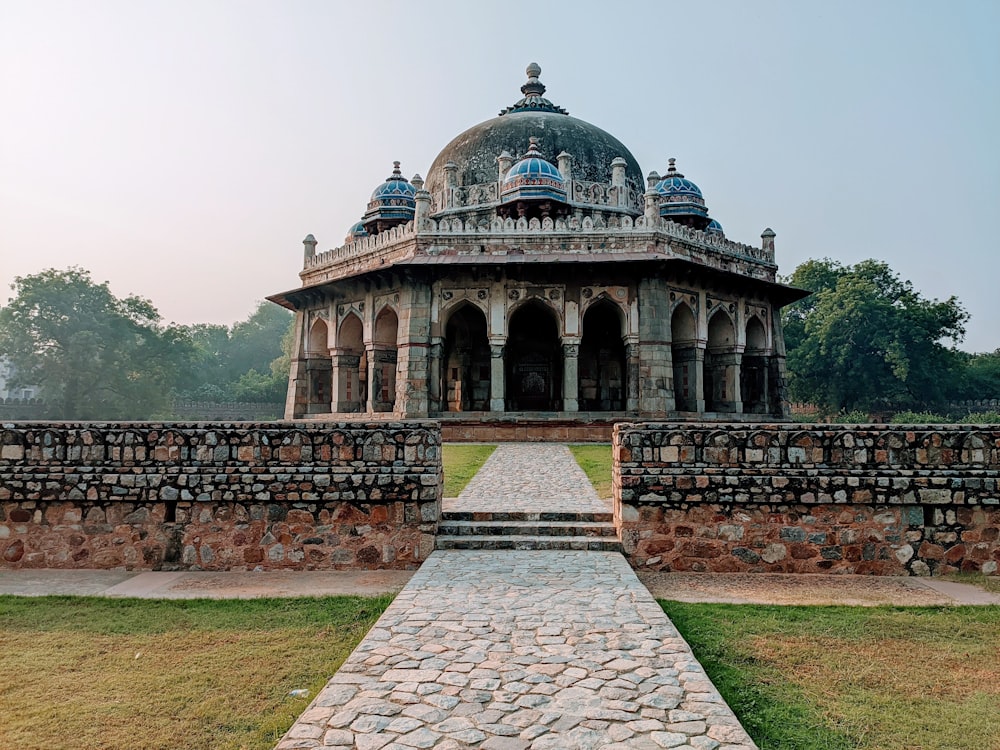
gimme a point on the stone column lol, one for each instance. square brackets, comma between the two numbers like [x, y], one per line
[699, 378]
[631, 376]
[414, 375]
[656, 369]
[434, 374]
[737, 372]
[374, 378]
[345, 390]
[497, 385]
[571, 375]
[297, 396]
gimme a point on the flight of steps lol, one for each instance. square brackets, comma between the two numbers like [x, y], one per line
[526, 531]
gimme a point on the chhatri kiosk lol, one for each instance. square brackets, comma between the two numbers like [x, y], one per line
[537, 276]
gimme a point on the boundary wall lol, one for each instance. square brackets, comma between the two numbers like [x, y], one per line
[219, 496]
[875, 499]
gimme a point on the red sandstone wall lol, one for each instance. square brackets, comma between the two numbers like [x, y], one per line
[219, 496]
[789, 498]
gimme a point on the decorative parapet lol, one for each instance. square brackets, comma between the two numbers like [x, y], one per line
[362, 247]
[616, 227]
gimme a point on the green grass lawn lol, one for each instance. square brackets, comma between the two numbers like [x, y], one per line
[595, 460]
[79, 672]
[461, 462]
[831, 678]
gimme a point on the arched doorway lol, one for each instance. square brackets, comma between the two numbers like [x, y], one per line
[753, 372]
[383, 375]
[602, 359]
[318, 365]
[533, 358]
[350, 366]
[466, 361]
[720, 358]
[684, 354]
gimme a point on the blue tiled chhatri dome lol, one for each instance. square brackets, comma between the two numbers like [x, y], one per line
[681, 200]
[392, 201]
[356, 232]
[714, 227]
[533, 178]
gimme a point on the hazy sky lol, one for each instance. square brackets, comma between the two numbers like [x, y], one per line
[181, 150]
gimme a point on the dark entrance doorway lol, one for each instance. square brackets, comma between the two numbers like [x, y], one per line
[602, 359]
[466, 361]
[533, 360]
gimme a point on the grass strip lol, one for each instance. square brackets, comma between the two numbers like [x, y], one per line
[161, 674]
[461, 462]
[853, 677]
[595, 460]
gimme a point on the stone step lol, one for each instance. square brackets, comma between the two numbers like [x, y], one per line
[527, 528]
[585, 517]
[524, 542]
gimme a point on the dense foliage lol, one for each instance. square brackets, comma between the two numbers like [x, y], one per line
[867, 340]
[95, 356]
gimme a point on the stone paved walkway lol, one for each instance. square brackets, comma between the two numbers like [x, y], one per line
[529, 477]
[522, 650]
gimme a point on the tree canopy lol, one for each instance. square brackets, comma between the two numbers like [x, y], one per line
[867, 340]
[95, 356]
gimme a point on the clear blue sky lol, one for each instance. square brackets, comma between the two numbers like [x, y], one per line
[182, 149]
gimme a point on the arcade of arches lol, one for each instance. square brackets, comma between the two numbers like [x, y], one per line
[541, 353]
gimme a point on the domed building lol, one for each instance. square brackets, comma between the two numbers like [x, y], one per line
[536, 276]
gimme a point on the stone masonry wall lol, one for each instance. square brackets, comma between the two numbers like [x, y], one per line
[219, 496]
[809, 498]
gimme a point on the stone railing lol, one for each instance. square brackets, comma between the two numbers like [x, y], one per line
[219, 496]
[362, 247]
[621, 225]
[869, 499]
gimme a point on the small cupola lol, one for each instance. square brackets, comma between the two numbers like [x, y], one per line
[356, 232]
[392, 203]
[533, 186]
[681, 200]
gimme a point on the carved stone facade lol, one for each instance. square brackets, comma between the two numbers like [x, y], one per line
[550, 283]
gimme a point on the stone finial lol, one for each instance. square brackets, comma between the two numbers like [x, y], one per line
[533, 146]
[671, 167]
[565, 164]
[533, 85]
[651, 211]
[504, 162]
[652, 178]
[451, 174]
[417, 181]
[767, 240]
[422, 205]
[309, 247]
[618, 165]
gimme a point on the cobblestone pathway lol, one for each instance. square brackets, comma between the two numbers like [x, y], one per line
[529, 477]
[521, 650]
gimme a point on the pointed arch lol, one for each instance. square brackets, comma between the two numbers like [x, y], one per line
[533, 358]
[318, 342]
[754, 368]
[350, 366]
[383, 366]
[720, 363]
[465, 359]
[684, 355]
[602, 362]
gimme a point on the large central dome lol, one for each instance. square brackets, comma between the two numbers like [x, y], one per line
[475, 151]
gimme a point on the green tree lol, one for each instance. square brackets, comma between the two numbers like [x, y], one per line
[94, 356]
[867, 340]
[232, 364]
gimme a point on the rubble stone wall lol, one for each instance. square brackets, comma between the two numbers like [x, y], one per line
[877, 499]
[219, 496]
